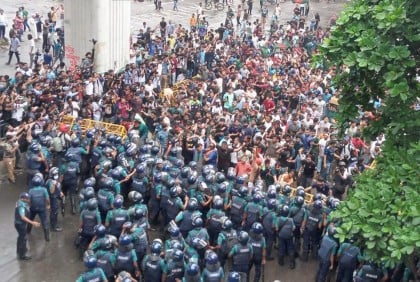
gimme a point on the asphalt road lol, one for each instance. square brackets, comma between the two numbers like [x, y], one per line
[57, 260]
[145, 12]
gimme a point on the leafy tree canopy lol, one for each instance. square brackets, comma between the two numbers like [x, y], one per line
[375, 50]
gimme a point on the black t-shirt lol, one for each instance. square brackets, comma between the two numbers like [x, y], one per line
[309, 169]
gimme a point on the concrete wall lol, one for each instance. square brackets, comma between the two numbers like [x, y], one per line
[108, 22]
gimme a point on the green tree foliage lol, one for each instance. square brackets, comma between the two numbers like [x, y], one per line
[375, 48]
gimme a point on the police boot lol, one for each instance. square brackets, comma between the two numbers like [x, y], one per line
[73, 204]
[47, 234]
[281, 260]
[304, 256]
[292, 263]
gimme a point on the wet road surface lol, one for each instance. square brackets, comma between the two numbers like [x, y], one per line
[57, 260]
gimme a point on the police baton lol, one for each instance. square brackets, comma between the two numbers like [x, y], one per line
[263, 272]
[63, 205]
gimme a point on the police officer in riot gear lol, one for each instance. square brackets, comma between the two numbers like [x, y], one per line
[326, 254]
[116, 217]
[192, 272]
[311, 229]
[370, 272]
[237, 206]
[284, 227]
[349, 258]
[21, 224]
[213, 272]
[92, 273]
[269, 218]
[198, 232]
[105, 258]
[297, 213]
[139, 238]
[226, 240]
[84, 196]
[34, 161]
[106, 197]
[125, 257]
[89, 218]
[40, 203]
[214, 219]
[253, 211]
[174, 270]
[140, 182]
[257, 241]
[185, 218]
[173, 205]
[54, 189]
[242, 254]
[153, 266]
[69, 171]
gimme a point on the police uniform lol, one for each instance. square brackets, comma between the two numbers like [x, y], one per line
[33, 165]
[369, 273]
[54, 190]
[140, 184]
[174, 271]
[285, 226]
[241, 255]
[21, 209]
[312, 232]
[125, 258]
[92, 275]
[349, 258]
[39, 202]
[268, 222]
[184, 220]
[140, 241]
[115, 220]
[214, 223]
[69, 172]
[153, 268]
[298, 214]
[327, 249]
[253, 212]
[172, 207]
[225, 241]
[105, 200]
[212, 275]
[106, 262]
[258, 244]
[89, 219]
[237, 210]
[155, 199]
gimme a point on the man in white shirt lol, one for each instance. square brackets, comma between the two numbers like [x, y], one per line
[19, 109]
[322, 144]
[3, 24]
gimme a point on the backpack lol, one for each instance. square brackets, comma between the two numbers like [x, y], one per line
[349, 257]
[59, 143]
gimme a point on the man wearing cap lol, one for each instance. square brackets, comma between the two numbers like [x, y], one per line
[21, 224]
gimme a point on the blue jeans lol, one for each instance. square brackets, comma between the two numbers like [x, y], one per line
[326, 171]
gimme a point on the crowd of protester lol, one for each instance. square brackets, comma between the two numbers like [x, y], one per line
[223, 125]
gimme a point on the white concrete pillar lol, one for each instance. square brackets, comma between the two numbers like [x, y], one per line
[108, 22]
